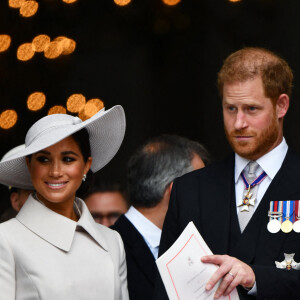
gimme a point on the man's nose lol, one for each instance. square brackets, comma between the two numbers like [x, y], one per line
[240, 121]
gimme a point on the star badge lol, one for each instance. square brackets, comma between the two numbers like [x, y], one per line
[288, 263]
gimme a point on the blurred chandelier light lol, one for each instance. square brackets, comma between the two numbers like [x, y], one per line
[53, 50]
[5, 42]
[68, 45]
[40, 42]
[171, 2]
[122, 2]
[36, 101]
[28, 8]
[15, 3]
[57, 109]
[90, 109]
[69, 1]
[8, 119]
[76, 103]
[25, 52]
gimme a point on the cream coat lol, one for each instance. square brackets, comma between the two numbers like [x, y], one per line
[44, 255]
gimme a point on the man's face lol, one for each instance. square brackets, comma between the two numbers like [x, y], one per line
[251, 123]
[106, 207]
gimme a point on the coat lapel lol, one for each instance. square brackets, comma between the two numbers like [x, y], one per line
[215, 219]
[136, 247]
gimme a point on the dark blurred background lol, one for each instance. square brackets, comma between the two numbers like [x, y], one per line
[158, 61]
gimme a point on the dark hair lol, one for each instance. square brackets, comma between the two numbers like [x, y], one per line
[107, 186]
[82, 139]
[156, 164]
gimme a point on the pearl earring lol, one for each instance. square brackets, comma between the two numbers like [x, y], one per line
[84, 177]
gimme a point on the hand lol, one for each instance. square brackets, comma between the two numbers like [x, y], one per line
[233, 271]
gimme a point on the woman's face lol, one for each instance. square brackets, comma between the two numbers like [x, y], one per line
[57, 171]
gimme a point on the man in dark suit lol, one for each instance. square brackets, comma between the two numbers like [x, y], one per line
[255, 86]
[151, 170]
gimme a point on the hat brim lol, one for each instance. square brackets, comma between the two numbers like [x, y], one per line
[106, 132]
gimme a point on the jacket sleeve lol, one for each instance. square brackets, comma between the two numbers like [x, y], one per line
[123, 270]
[7, 270]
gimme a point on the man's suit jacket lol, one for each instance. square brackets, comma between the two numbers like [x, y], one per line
[141, 267]
[207, 197]
[46, 256]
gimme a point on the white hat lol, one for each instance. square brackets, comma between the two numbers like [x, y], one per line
[106, 132]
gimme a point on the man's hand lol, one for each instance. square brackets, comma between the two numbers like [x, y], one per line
[232, 271]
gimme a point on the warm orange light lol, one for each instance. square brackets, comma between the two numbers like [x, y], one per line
[53, 50]
[93, 104]
[171, 2]
[234, 0]
[36, 101]
[28, 8]
[69, 1]
[57, 109]
[122, 2]
[8, 119]
[68, 45]
[5, 41]
[15, 3]
[82, 116]
[75, 103]
[25, 52]
[40, 42]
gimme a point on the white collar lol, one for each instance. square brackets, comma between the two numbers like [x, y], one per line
[55, 228]
[150, 232]
[270, 162]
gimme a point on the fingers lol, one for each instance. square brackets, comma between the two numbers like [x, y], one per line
[232, 272]
[225, 266]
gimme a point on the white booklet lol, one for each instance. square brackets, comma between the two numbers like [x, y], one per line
[183, 273]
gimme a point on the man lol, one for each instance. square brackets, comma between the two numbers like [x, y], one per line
[255, 86]
[151, 171]
[106, 203]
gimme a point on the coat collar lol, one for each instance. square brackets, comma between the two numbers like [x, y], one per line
[55, 228]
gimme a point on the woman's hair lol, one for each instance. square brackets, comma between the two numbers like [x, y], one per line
[82, 139]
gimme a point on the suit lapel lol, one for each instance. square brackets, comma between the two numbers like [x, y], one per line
[285, 186]
[215, 219]
[136, 247]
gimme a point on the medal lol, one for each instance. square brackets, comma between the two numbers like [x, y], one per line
[274, 226]
[288, 263]
[248, 198]
[296, 226]
[275, 212]
[287, 225]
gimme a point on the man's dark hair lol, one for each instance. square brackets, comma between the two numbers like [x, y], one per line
[156, 164]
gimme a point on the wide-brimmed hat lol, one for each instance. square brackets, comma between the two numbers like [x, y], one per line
[106, 132]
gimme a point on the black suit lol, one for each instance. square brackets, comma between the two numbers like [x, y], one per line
[207, 197]
[141, 267]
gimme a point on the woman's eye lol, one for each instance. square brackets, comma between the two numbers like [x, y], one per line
[42, 159]
[68, 159]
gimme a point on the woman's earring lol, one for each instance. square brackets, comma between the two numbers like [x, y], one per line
[84, 178]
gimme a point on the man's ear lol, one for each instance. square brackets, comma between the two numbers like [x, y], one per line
[282, 105]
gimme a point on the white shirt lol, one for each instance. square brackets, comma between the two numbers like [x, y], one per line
[270, 163]
[150, 232]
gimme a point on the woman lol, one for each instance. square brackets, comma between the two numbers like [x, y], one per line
[53, 249]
